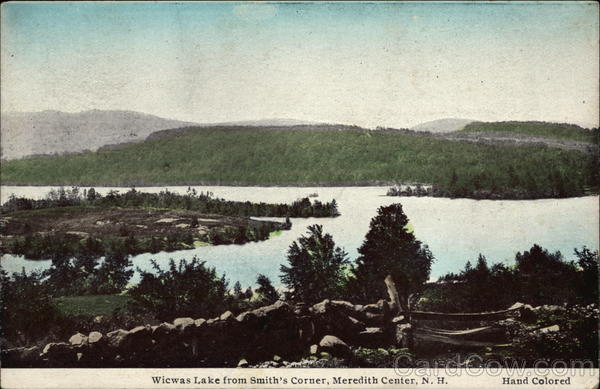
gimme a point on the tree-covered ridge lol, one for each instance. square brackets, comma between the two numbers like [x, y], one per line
[204, 202]
[254, 157]
[544, 129]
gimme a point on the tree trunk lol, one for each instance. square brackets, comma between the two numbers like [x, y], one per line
[397, 303]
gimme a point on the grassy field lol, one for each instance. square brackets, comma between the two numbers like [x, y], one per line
[91, 305]
[252, 156]
[548, 130]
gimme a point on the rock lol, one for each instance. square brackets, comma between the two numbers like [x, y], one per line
[314, 349]
[184, 325]
[95, 337]
[516, 306]
[242, 363]
[139, 338]
[183, 321]
[199, 323]
[374, 319]
[321, 308]
[163, 329]
[277, 358]
[345, 306]
[59, 354]
[527, 314]
[246, 317]
[546, 330]
[398, 319]
[227, 316]
[325, 355]
[116, 338]
[372, 308]
[78, 339]
[372, 337]
[334, 345]
[278, 309]
[404, 335]
[301, 309]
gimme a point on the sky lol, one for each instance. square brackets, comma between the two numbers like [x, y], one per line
[370, 64]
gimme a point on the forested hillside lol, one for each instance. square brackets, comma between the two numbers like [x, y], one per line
[293, 157]
[549, 130]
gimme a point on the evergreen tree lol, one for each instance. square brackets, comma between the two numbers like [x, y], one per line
[237, 290]
[266, 291]
[316, 265]
[390, 249]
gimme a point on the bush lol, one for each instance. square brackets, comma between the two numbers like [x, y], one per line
[576, 337]
[27, 308]
[184, 289]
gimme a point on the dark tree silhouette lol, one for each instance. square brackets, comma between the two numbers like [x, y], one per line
[316, 267]
[390, 249]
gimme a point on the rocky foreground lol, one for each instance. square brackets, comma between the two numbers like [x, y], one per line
[265, 337]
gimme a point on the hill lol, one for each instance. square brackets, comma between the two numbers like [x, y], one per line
[537, 129]
[50, 132]
[442, 125]
[55, 132]
[242, 156]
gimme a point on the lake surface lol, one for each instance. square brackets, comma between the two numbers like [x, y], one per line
[456, 230]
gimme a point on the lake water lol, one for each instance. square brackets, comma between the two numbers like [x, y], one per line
[456, 230]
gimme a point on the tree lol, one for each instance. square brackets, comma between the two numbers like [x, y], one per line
[114, 273]
[184, 289]
[544, 277]
[26, 306]
[588, 278]
[237, 290]
[316, 267]
[390, 249]
[91, 195]
[266, 291]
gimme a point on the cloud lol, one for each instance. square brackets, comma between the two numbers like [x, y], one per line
[252, 12]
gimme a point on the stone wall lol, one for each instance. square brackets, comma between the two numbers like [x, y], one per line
[282, 329]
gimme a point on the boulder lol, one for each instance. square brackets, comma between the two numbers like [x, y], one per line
[334, 346]
[242, 363]
[163, 330]
[314, 349]
[199, 323]
[79, 340]
[372, 308]
[321, 308]
[185, 325]
[139, 338]
[95, 337]
[373, 337]
[274, 311]
[374, 319]
[116, 339]
[246, 317]
[227, 316]
[59, 354]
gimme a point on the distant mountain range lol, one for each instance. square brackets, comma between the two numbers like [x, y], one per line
[49, 132]
[55, 132]
[26, 134]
